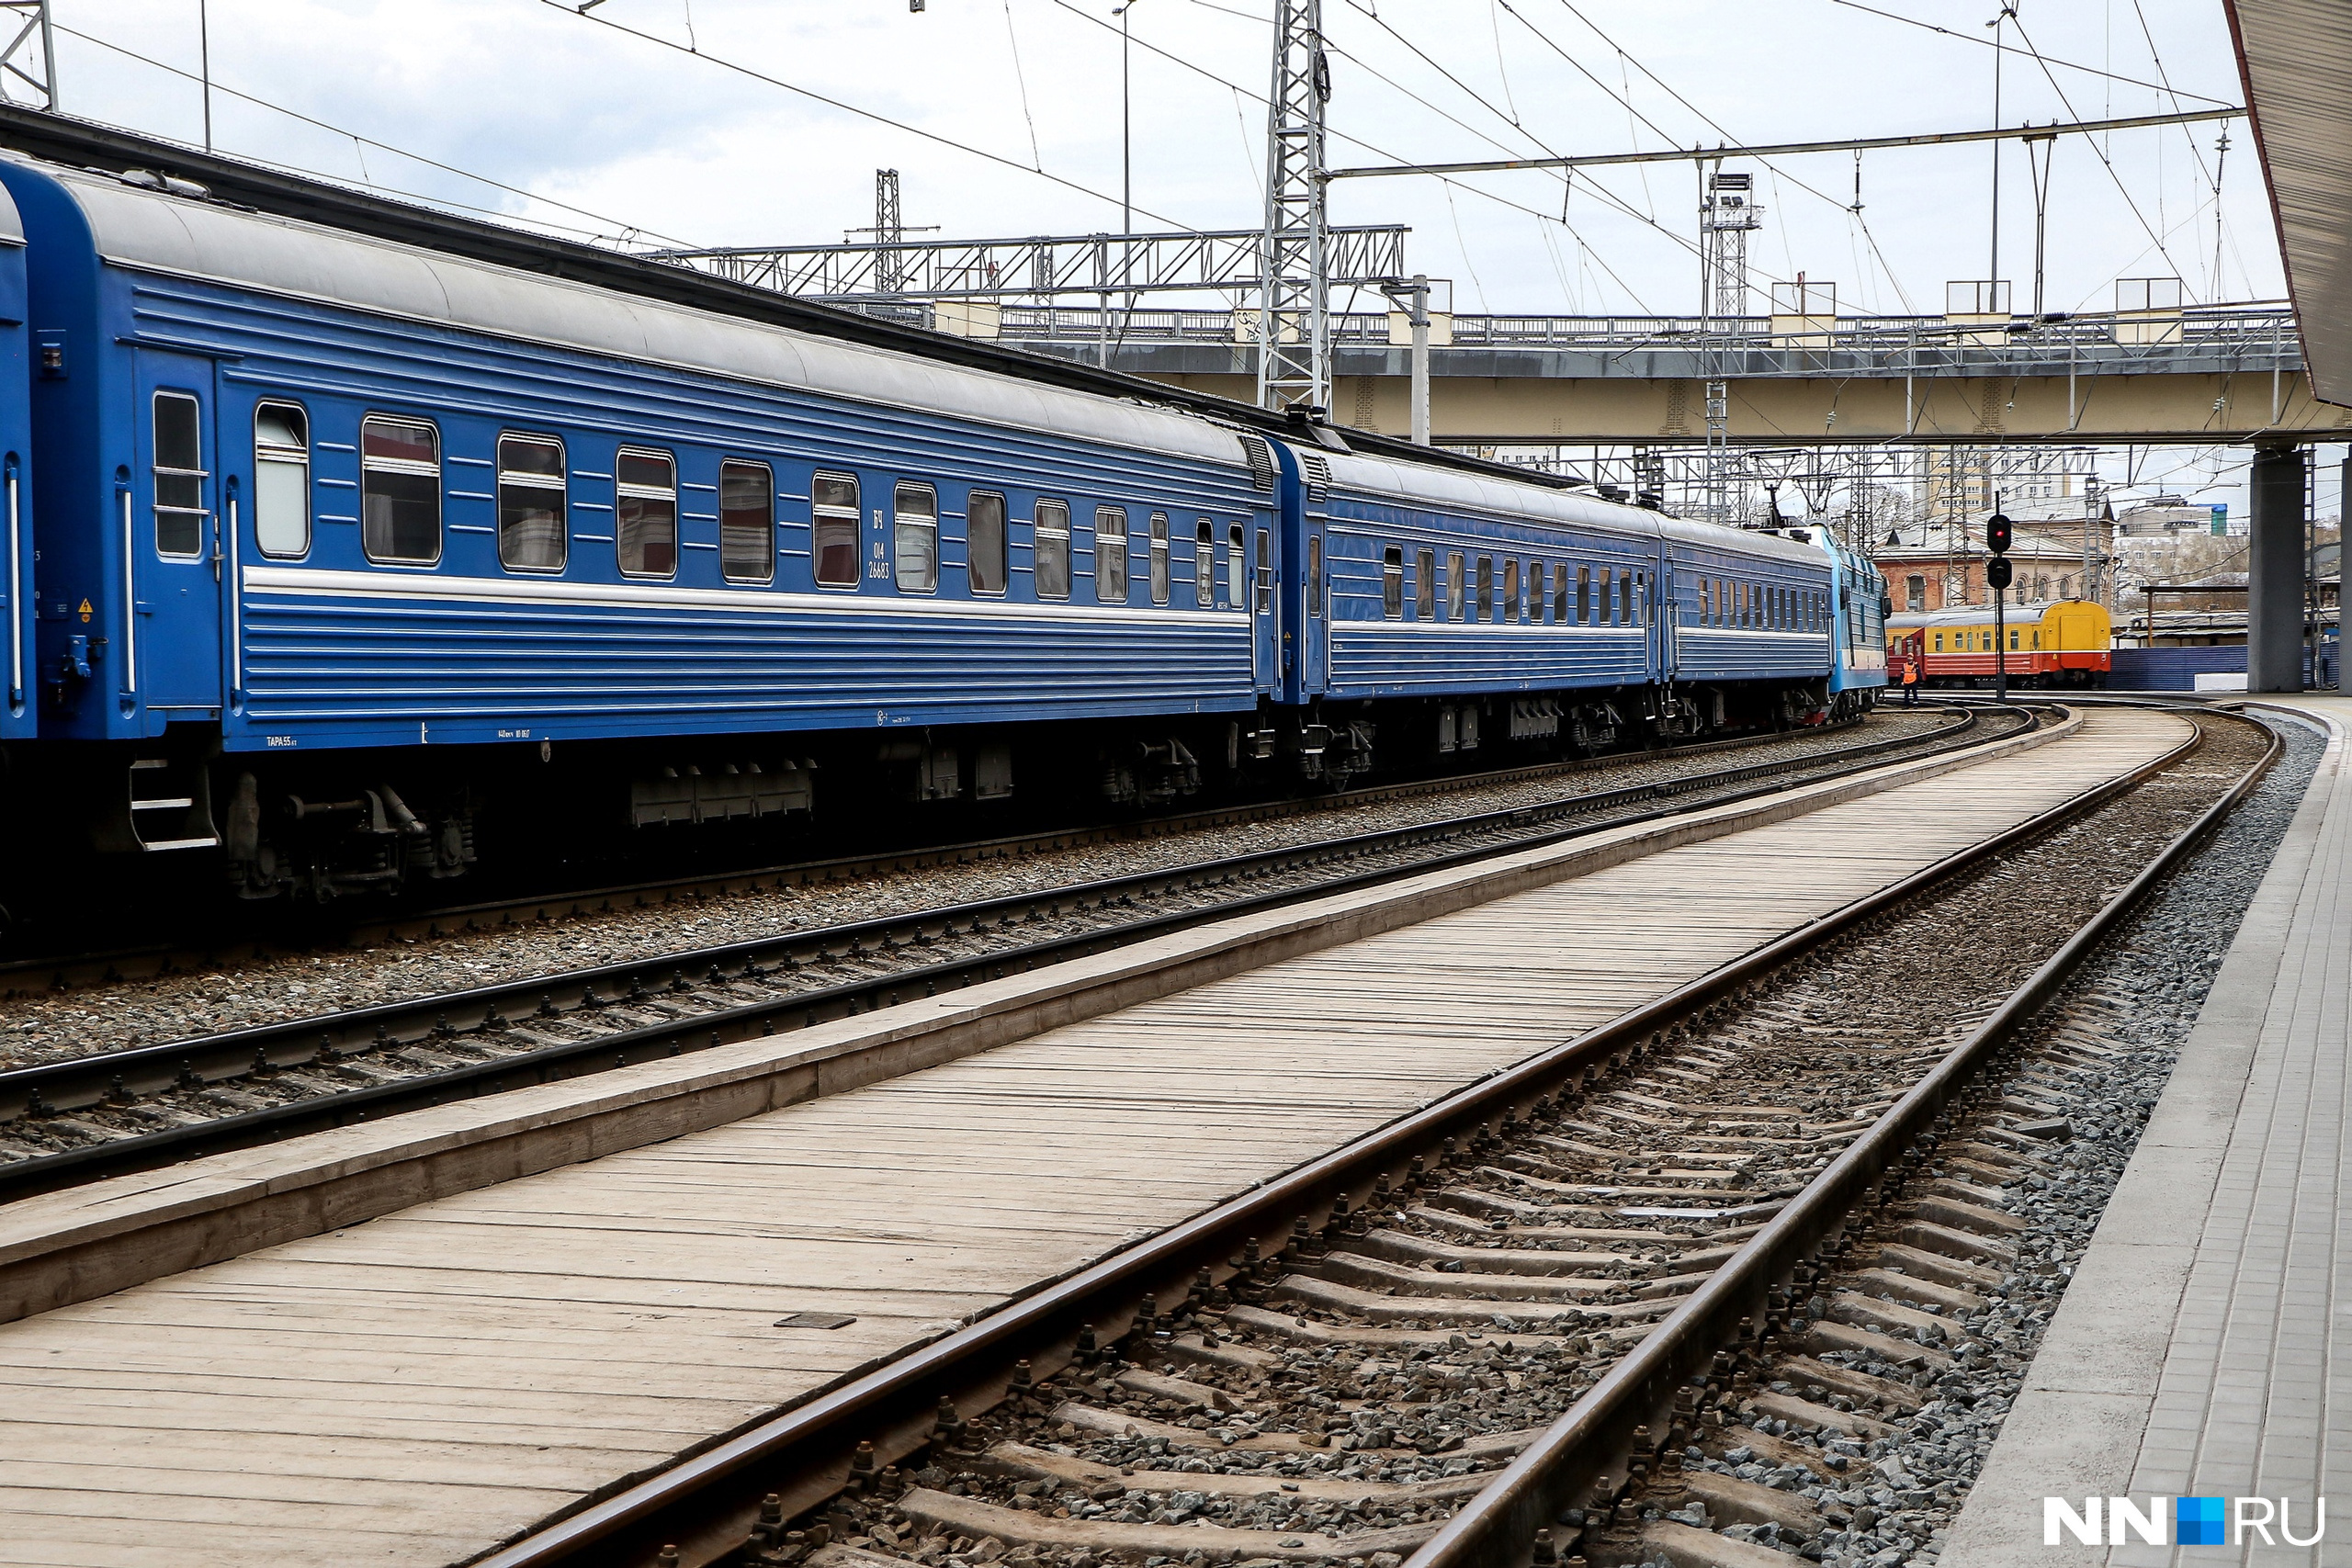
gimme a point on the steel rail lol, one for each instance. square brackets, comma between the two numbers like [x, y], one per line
[708, 1502]
[62, 970]
[1498, 1526]
[115, 1077]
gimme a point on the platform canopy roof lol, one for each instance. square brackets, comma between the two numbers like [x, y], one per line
[2295, 57]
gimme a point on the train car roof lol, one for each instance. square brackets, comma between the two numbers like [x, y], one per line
[1982, 615]
[46, 138]
[1423, 484]
[1418, 483]
[182, 236]
[1750, 541]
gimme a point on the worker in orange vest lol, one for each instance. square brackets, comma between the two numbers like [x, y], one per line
[1910, 680]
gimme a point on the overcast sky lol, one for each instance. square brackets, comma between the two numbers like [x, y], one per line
[611, 114]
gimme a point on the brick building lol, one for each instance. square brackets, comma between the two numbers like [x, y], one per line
[1931, 566]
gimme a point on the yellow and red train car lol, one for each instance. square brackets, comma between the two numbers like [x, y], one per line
[2067, 642]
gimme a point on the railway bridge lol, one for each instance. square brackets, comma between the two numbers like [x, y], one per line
[2228, 373]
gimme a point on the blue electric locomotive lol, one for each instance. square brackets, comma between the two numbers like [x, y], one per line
[348, 547]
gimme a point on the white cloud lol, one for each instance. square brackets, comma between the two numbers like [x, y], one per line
[537, 96]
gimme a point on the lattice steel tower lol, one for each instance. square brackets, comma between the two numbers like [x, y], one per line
[889, 228]
[1726, 216]
[29, 64]
[1294, 323]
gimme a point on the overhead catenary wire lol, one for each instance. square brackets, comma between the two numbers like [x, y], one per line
[614, 225]
[1627, 58]
[811, 93]
[1601, 193]
[1988, 43]
[2105, 162]
[1370, 147]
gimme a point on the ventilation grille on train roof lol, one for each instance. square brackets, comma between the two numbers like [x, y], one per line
[1262, 461]
[1318, 475]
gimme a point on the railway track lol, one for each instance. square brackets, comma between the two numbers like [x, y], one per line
[106, 1113]
[38, 973]
[1658, 1294]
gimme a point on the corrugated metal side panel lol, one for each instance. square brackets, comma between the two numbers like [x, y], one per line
[1379, 659]
[351, 670]
[2171, 669]
[346, 668]
[1709, 655]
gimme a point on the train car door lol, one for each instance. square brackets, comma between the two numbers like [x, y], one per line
[1253, 592]
[171, 543]
[1666, 641]
[1303, 573]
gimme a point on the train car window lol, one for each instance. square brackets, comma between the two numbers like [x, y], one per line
[399, 491]
[746, 523]
[1203, 564]
[1315, 575]
[914, 537]
[1584, 595]
[533, 519]
[645, 512]
[1110, 555]
[1052, 552]
[281, 480]
[1535, 592]
[1265, 571]
[1425, 585]
[984, 542]
[2013, 640]
[1453, 585]
[1486, 588]
[1511, 592]
[1940, 642]
[1160, 573]
[180, 476]
[1237, 571]
[832, 544]
[1392, 583]
[1634, 586]
[1559, 591]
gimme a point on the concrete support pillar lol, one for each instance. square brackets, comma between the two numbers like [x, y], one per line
[2274, 600]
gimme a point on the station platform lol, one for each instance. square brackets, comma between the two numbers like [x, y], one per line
[2204, 1346]
[417, 1389]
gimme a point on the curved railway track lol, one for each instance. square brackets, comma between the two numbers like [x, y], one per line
[80, 1119]
[1668, 1281]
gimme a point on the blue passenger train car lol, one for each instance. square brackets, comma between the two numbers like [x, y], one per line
[353, 550]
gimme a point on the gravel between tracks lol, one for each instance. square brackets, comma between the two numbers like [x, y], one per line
[2139, 999]
[1346, 1425]
[268, 989]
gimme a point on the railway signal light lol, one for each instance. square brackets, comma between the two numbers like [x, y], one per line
[1996, 572]
[1999, 534]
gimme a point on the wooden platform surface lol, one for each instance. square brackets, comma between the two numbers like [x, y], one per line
[416, 1389]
